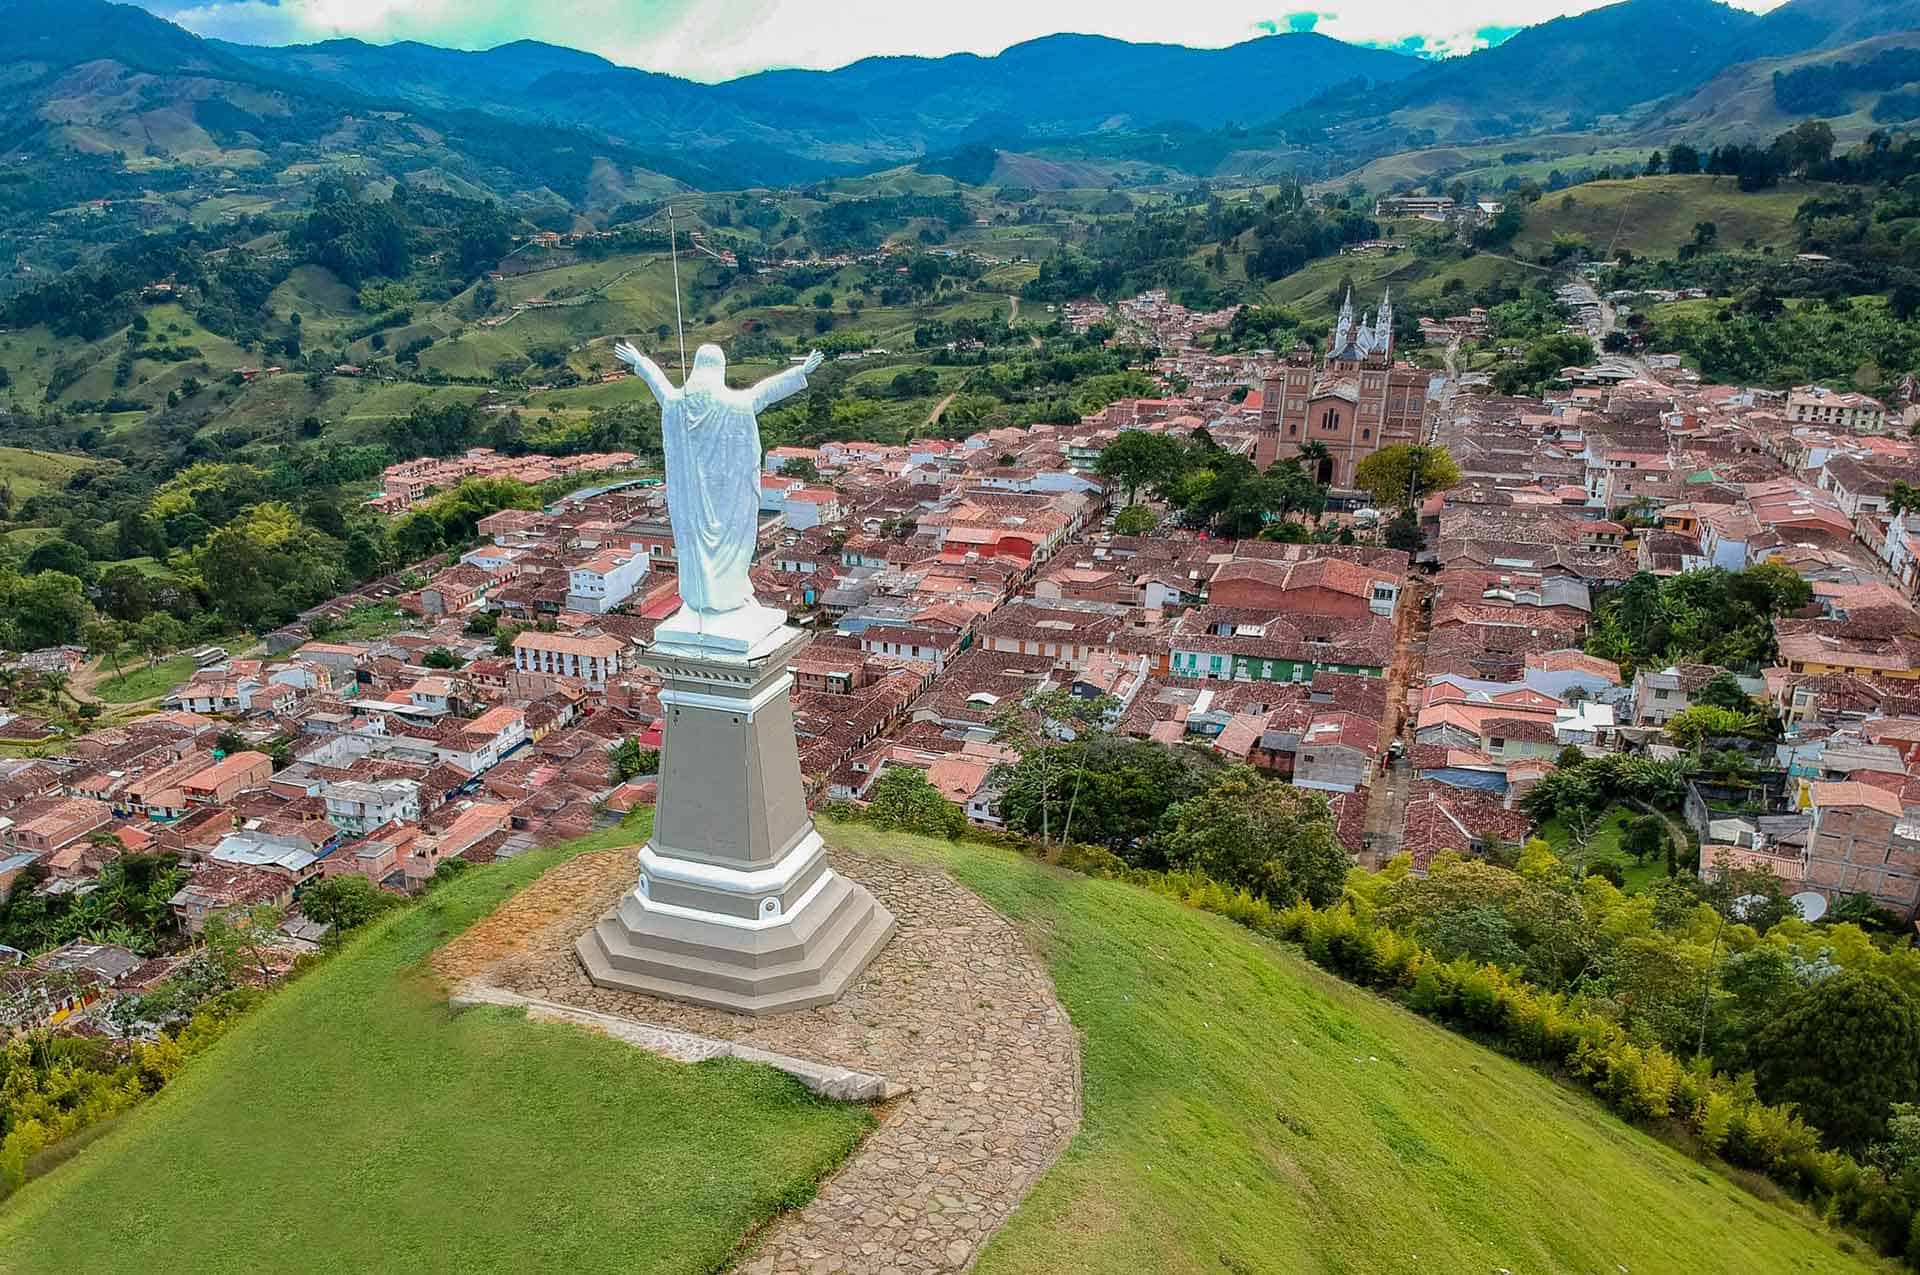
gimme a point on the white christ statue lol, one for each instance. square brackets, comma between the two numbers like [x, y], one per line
[712, 438]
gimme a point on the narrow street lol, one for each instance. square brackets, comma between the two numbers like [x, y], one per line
[1387, 804]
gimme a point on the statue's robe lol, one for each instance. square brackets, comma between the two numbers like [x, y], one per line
[712, 439]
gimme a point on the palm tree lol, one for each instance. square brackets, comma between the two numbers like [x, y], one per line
[9, 683]
[1313, 453]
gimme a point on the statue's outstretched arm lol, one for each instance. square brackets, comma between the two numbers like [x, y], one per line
[783, 384]
[647, 370]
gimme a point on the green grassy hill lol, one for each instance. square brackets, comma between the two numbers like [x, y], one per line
[1315, 290]
[27, 472]
[1653, 216]
[353, 1124]
[1489, 163]
[594, 302]
[1243, 1112]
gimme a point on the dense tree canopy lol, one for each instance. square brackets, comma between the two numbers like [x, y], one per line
[1268, 838]
[1104, 790]
[1139, 459]
[903, 798]
[1842, 1050]
[1707, 617]
[1399, 476]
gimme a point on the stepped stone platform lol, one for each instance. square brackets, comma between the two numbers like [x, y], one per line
[956, 1010]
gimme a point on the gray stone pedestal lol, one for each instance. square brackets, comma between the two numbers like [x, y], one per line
[736, 907]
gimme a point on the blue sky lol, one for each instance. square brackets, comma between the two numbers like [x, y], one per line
[719, 39]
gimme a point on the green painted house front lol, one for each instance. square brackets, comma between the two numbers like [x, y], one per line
[1248, 668]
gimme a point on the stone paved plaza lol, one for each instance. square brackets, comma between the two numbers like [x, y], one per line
[956, 1007]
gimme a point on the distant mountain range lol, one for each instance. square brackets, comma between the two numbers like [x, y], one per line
[539, 122]
[873, 111]
[1616, 66]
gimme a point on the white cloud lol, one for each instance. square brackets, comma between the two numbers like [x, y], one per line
[718, 39]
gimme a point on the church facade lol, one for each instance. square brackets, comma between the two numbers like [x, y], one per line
[1354, 402]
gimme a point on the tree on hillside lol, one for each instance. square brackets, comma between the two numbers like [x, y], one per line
[1135, 520]
[1268, 838]
[237, 938]
[125, 593]
[1106, 790]
[1401, 475]
[345, 902]
[1039, 781]
[1139, 459]
[1505, 226]
[1807, 145]
[104, 637]
[60, 555]
[1645, 838]
[1843, 1050]
[42, 610]
[158, 634]
[903, 798]
[1683, 159]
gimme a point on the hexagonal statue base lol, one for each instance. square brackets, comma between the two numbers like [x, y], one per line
[736, 907]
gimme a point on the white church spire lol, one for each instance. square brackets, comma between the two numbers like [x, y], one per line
[1383, 325]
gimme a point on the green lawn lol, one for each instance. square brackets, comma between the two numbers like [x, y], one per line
[1642, 876]
[140, 682]
[145, 565]
[1609, 831]
[354, 1124]
[1247, 1113]
[1609, 827]
[369, 620]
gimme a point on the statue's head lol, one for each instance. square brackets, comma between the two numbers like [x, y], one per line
[709, 366]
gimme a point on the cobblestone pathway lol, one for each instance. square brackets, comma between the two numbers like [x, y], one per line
[956, 1006]
[1387, 804]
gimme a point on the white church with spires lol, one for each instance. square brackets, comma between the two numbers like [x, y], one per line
[1353, 402]
[1354, 342]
